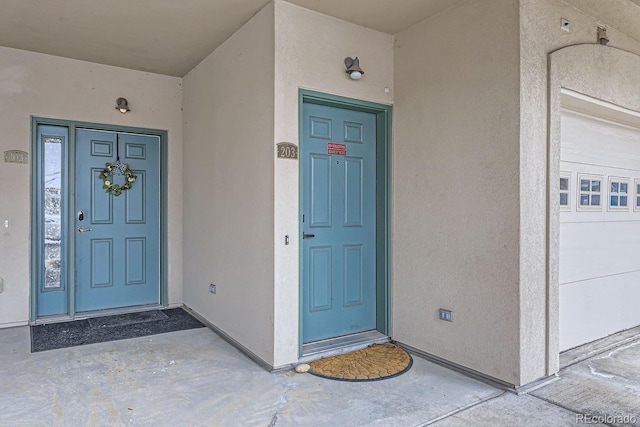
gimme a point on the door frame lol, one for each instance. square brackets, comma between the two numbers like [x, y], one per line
[69, 206]
[383, 115]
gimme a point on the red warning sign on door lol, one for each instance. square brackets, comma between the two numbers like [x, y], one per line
[337, 149]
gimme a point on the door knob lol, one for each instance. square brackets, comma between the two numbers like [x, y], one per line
[308, 236]
[83, 230]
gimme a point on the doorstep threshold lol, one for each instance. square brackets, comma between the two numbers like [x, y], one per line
[44, 320]
[340, 345]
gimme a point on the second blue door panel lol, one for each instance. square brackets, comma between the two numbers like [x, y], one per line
[338, 155]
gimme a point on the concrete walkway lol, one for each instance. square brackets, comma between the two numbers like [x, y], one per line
[194, 378]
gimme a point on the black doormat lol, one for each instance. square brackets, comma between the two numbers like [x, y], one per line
[110, 328]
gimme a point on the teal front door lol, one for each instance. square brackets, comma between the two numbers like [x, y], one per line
[117, 237]
[338, 166]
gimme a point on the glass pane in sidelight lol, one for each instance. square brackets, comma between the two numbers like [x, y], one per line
[52, 211]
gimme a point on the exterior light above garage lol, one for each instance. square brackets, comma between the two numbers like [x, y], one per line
[602, 35]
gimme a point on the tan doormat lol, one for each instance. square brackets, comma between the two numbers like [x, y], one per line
[376, 362]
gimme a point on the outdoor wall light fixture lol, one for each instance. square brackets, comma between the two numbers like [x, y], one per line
[122, 105]
[602, 35]
[353, 68]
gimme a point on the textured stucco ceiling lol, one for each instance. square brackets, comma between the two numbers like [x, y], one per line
[388, 16]
[170, 36]
[159, 36]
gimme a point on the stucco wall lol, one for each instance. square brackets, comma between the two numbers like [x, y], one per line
[33, 84]
[540, 35]
[309, 52]
[456, 187]
[228, 185]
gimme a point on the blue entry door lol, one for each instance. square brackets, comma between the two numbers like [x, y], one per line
[117, 238]
[338, 161]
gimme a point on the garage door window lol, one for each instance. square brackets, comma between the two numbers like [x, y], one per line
[565, 182]
[590, 192]
[618, 193]
[637, 185]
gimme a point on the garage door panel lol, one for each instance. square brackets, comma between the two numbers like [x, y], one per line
[599, 249]
[593, 142]
[593, 309]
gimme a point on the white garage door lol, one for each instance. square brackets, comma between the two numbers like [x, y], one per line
[599, 228]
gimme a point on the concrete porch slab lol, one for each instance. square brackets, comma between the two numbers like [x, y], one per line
[196, 378]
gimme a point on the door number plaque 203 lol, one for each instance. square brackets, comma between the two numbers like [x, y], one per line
[287, 150]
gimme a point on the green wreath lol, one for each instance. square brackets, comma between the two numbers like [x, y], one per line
[107, 178]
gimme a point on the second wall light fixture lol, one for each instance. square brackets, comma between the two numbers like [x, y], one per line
[353, 67]
[122, 105]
